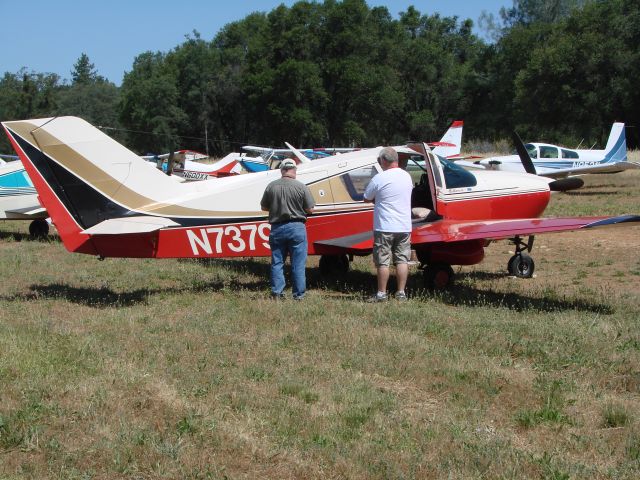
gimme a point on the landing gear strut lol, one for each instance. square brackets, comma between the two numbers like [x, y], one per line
[334, 264]
[521, 265]
[39, 228]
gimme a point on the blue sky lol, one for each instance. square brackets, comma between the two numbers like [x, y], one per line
[49, 36]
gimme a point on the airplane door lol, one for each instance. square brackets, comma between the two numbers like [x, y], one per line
[434, 176]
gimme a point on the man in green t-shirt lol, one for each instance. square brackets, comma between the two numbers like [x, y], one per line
[288, 202]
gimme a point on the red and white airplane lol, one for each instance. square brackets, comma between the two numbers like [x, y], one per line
[105, 201]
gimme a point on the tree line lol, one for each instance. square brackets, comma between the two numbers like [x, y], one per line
[341, 73]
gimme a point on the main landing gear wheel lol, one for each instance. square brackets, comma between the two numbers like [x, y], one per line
[521, 265]
[39, 228]
[437, 276]
[334, 264]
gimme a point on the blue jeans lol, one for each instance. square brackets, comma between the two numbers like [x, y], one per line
[288, 238]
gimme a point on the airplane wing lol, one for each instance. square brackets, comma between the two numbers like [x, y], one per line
[32, 212]
[580, 170]
[458, 231]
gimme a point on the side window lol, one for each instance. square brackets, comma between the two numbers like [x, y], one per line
[548, 152]
[356, 181]
[569, 154]
[532, 150]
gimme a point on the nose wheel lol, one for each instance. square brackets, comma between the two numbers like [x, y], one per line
[521, 265]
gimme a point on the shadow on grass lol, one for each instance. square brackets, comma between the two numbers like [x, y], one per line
[19, 237]
[358, 285]
[461, 295]
[578, 193]
[354, 285]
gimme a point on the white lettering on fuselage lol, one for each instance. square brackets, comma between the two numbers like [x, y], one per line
[232, 238]
[585, 163]
[194, 175]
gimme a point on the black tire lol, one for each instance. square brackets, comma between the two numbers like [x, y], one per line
[438, 276]
[521, 266]
[334, 264]
[39, 228]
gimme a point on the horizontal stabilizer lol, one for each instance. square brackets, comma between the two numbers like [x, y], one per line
[119, 226]
[28, 211]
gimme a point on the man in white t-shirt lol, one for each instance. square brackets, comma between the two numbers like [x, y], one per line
[390, 192]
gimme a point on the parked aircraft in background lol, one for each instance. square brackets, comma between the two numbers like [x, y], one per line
[18, 198]
[105, 201]
[449, 146]
[559, 162]
[188, 164]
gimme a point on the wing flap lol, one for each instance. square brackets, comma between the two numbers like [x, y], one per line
[119, 226]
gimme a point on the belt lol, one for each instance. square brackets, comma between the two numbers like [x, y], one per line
[288, 221]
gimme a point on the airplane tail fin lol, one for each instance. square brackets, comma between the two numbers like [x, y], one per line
[453, 137]
[84, 177]
[226, 164]
[616, 149]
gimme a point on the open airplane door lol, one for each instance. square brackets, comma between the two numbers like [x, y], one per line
[431, 178]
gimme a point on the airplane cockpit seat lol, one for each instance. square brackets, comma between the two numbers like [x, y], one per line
[421, 202]
[421, 194]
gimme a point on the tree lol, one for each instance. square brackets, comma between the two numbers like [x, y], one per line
[84, 72]
[149, 105]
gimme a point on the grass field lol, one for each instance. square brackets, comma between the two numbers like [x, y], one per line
[179, 369]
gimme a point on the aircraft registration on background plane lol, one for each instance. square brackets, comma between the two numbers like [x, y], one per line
[18, 197]
[105, 201]
[559, 162]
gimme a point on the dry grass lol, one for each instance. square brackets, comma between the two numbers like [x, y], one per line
[179, 369]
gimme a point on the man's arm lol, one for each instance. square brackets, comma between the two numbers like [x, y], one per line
[265, 203]
[370, 193]
[309, 202]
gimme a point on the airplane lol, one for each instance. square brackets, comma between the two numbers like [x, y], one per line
[187, 166]
[18, 198]
[558, 162]
[270, 157]
[449, 146]
[105, 201]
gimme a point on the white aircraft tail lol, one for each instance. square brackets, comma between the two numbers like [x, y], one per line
[84, 177]
[451, 141]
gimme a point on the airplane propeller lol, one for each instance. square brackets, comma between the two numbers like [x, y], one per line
[561, 185]
[527, 163]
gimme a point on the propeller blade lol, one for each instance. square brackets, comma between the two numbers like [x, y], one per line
[527, 163]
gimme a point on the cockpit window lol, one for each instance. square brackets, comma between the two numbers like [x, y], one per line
[532, 150]
[548, 152]
[569, 154]
[356, 181]
[455, 176]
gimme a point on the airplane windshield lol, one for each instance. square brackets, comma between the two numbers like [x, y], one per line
[455, 176]
[531, 149]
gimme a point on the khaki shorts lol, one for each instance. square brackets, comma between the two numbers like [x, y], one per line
[390, 245]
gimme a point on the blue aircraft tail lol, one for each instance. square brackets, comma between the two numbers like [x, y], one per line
[616, 149]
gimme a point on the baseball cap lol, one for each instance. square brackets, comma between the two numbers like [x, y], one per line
[287, 163]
